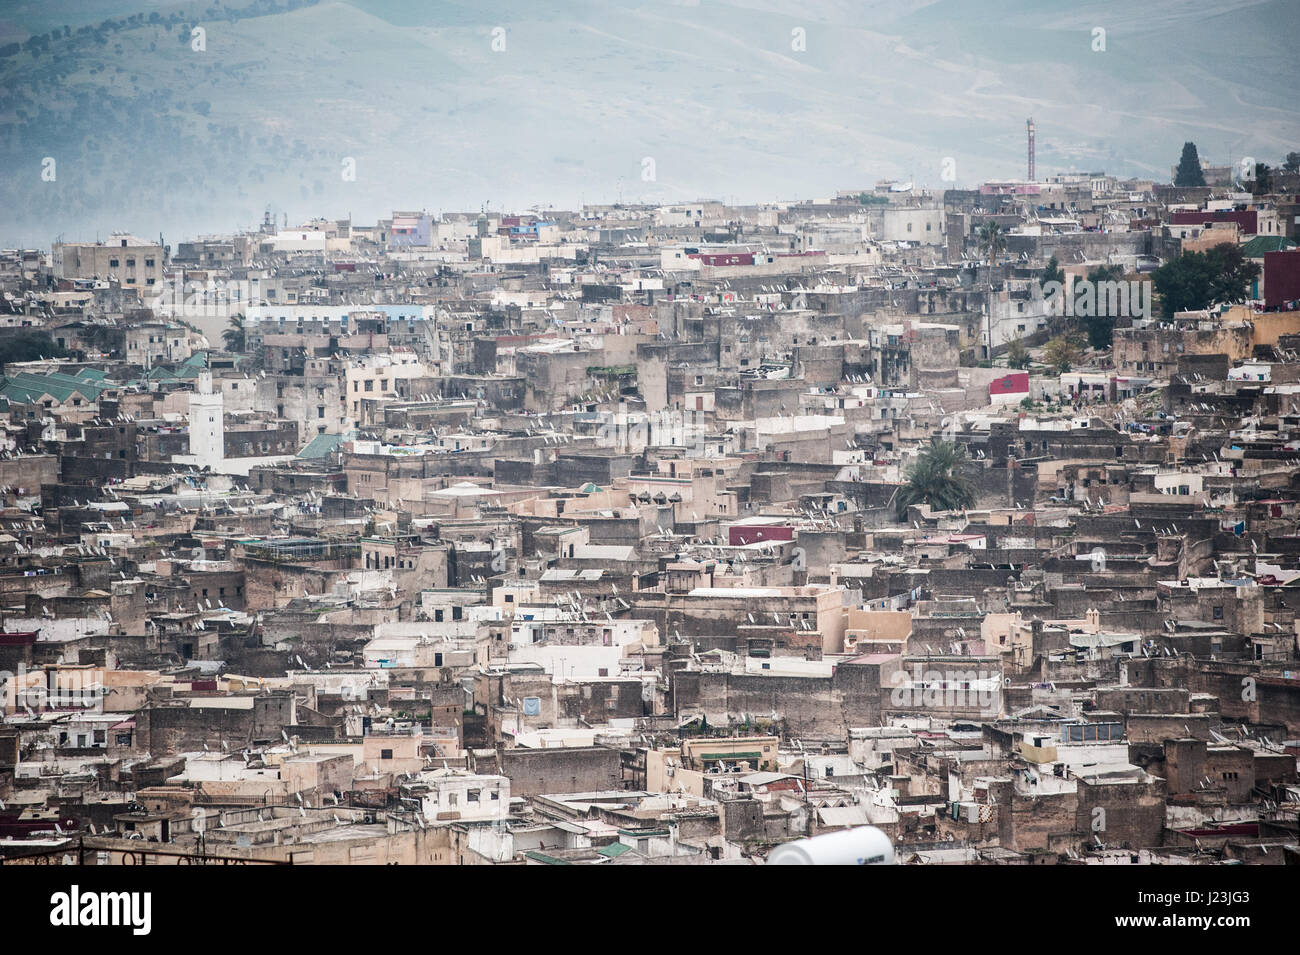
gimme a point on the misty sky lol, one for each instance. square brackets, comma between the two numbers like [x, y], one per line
[117, 115]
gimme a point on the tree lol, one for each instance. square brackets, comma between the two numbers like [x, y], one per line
[1231, 273]
[29, 346]
[1100, 327]
[993, 241]
[1197, 280]
[933, 480]
[1052, 272]
[1262, 181]
[236, 336]
[1189, 167]
[1292, 162]
[1062, 353]
[1017, 354]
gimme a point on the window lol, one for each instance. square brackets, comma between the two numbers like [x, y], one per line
[370, 384]
[385, 754]
[1218, 613]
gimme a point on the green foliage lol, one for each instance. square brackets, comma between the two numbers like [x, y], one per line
[29, 346]
[1196, 280]
[236, 336]
[1106, 273]
[1017, 354]
[993, 241]
[1262, 182]
[933, 480]
[1101, 328]
[1101, 331]
[1053, 272]
[1189, 167]
[1292, 162]
[1061, 353]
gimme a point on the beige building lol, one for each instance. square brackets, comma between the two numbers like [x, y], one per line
[376, 376]
[131, 260]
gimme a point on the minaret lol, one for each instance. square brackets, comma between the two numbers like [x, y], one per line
[207, 428]
[1030, 127]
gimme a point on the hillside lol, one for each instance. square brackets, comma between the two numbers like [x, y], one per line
[152, 136]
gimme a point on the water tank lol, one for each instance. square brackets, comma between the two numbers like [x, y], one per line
[865, 845]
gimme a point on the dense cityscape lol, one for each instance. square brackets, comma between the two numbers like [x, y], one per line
[644, 534]
[914, 523]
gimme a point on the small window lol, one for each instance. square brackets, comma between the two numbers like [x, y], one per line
[385, 754]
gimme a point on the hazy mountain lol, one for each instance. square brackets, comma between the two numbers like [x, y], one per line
[149, 135]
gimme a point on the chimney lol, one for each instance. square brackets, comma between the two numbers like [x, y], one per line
[1029, 125]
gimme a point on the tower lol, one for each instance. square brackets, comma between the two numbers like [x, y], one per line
[207, 428]
[1029, 125]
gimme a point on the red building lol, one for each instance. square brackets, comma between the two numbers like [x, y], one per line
[1281, 278]
[1247, 219]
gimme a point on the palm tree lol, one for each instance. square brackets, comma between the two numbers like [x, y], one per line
[1017, 354]
[235, 336]
[933, 480]
[993, 241]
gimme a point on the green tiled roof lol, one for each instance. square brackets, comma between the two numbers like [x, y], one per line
[613, 850]
[1261, 244]
[26, 387]
[324, 444]
[544, 858]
